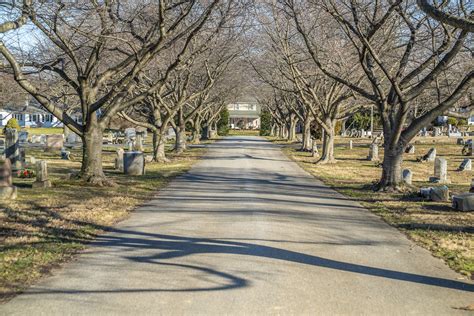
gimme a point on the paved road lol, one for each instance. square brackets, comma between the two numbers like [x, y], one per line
[248, 232]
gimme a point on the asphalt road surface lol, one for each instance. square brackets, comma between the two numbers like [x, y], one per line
[248, 232]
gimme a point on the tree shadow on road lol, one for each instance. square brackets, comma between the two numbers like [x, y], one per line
[164, 248]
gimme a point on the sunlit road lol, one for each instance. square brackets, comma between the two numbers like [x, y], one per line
[248, 232]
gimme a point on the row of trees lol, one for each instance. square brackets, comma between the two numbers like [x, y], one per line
[157, 64]
[324, 60]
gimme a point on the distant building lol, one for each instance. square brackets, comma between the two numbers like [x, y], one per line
[29, 115]
[244, 114]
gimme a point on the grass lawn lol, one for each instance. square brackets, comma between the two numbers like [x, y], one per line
[46, 227]
[448, 234]
[244, 132]
[40, 130]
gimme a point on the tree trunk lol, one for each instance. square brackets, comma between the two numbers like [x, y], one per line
[307, 142]
[159, 154]
[292, 130]
[281, 131]
[91, 169]
[197, 131]
[205, 132]
[328, 143]
[391, 179]
[180, 145]
[273, 130]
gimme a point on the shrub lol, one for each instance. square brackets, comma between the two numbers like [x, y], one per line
[453, 121]
[223, 123]
[265, 123]
[12, 123]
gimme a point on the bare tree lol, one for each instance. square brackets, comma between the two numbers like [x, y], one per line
[401, 53]
[436, 12]
[96, 51]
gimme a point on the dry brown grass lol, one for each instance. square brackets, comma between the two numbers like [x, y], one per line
[448, 234]
[45, 227]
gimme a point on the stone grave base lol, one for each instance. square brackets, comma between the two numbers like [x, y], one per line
[42, 184]
[464, 202]
[8, 193]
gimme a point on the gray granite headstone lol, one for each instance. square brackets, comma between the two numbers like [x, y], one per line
[407, 176]
[430, 156]
[42, 180]
[464, 202]
[466, 164]
[373, 152]
[134, 163]
[440, 171]
[119, 160]
[12, 148]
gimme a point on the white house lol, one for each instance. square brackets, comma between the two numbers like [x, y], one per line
[244, 114]
[29, 115]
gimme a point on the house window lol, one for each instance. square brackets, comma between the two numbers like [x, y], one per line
[18, 117]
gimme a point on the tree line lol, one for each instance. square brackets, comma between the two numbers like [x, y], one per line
[158, 64]
[324, 60]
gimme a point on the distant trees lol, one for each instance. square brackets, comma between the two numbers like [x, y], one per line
[402, 55]
[95, 55]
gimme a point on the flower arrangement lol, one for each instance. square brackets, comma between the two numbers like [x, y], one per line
[26, 173]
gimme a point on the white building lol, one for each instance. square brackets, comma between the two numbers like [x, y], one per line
[244, 114]
[30, 115]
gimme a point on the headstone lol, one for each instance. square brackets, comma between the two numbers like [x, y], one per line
[466, 164]
[54, 142]
[373, 152]
[407, 176]
[23, 137]
[314, 149]
[119, 160]
[42, 180]
[464, 202]
[35, 139]
[439, 194]
[425, 192]
[134, 163]
[171, 133]
[30, 160]
[22, 156]
[430, 156]
[350, 144]
[7, 190]
[65, 155]
[110, 138]
[410, 149]
[440, 171]
[148, 158]
[139, 142]
[71, 138]
[43, 139]
[130, 134]
[460, 141]
[12, 148]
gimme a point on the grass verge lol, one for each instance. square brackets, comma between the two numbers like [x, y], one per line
[46, 227]
[448, 234]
